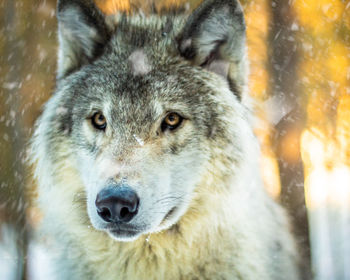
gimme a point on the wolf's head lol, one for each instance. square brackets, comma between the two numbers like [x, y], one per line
[143, 110]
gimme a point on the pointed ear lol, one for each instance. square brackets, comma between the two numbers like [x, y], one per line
[83, 34]
[214, 38]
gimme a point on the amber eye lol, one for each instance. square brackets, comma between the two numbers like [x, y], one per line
[171, 121]
[99, 121]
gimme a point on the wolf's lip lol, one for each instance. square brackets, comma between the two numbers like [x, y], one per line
[123, 232]
[169, 214]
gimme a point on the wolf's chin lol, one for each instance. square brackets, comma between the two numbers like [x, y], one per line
[124, 236]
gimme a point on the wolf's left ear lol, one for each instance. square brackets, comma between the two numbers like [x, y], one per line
[214, 38]
[83, 34]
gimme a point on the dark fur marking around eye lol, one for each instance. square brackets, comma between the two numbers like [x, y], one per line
[174, 149]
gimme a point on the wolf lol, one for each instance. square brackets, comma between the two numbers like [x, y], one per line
[145, 158]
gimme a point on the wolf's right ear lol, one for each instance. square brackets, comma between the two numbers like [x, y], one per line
[83, 34]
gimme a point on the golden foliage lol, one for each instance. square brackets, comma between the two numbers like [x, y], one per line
[325, 72]
[319, 16]
[257, 18]
[112, 6]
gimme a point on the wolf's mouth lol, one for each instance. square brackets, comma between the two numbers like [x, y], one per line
[169, 214]
[123, 233]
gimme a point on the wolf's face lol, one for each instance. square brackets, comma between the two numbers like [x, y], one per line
[139, 105]
[140, 135]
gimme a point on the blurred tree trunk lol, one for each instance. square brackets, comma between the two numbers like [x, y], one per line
[286, 92]
[12, 193]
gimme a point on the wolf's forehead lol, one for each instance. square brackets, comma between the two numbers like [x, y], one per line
[135, 78]
[130, 94]
[138, 82]
[140, 31]
[140, 42]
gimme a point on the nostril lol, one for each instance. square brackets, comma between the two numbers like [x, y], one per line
[124, 212]
[105, 214]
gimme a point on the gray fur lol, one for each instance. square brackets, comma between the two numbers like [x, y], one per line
[216, 32]
[203, 211]
[82, 34]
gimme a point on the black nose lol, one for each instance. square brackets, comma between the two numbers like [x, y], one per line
[117, 204]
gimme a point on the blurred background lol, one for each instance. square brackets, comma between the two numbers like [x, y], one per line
[299, 54]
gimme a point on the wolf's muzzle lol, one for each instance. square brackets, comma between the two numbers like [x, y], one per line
[117, 204]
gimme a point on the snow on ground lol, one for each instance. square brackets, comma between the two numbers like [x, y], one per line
[9, 260]
[38, 266]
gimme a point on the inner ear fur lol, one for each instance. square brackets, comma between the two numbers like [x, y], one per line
[82, 32]
[214, 37]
